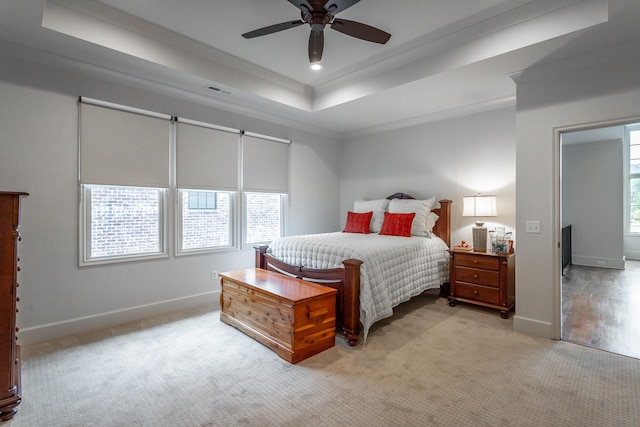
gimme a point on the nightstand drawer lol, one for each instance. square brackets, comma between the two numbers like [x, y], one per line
[477, 293]
[475, 275]
[478, 261]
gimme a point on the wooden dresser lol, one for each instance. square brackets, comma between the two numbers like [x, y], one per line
[9, 350]
[486, 279]
[295, 318]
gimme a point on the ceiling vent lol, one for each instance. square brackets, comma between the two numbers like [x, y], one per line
[217, 89]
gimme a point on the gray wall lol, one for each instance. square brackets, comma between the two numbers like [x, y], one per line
[447, 159]
[552, 99]
[38, 146]
[592, 202]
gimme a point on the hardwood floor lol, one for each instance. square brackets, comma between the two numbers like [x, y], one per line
[601, 308]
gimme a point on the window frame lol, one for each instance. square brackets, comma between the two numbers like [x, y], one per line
[85, 217]
[627, 178]
[179, 251]
[284, 197]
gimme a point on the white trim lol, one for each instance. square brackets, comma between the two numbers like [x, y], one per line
[178, 250]
[532, 327]
[85, 258]
[80, 325]
[556, 326]
[590, 261]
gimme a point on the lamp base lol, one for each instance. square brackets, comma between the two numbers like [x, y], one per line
[480, 239]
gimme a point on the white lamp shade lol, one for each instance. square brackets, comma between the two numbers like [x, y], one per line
[479, 206]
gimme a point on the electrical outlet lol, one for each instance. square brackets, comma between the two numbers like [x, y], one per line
[533, 227]
[214, 275]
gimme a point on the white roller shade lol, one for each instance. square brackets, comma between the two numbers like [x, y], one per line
[206, 157]
[265, 165]
[123, 148]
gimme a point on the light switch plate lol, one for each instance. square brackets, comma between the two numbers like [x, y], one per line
[533, 227]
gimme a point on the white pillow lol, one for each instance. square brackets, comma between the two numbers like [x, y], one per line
[431, 221]
[421, 209]
[378, 207]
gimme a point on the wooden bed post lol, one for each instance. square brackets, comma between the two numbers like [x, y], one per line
[261, 262]
[444, 225]
[351, 301]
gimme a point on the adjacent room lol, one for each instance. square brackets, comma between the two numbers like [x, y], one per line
[156, 157]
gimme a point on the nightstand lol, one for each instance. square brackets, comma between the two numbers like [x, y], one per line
[486, 279]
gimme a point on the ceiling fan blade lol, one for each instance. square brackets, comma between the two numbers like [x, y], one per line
[360, 31]
[316, 46]
[272, 29]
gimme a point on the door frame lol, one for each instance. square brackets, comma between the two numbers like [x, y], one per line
[556, 328]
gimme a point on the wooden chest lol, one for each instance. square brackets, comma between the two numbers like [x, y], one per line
[296, 319]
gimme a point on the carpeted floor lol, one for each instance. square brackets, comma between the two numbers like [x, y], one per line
[429, 365]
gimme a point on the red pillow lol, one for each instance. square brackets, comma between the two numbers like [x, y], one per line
[397, 224]
[358, 222]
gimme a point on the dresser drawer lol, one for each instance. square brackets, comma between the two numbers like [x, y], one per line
[475, 275]
[477, 293]
[478, 261]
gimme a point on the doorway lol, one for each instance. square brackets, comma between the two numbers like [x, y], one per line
[598, 292]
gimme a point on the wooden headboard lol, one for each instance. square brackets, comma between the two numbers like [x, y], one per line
[442, 229]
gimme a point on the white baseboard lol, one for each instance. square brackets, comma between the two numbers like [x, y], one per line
[633, 255]
[80, 325]
[532, 327]
[598, 262]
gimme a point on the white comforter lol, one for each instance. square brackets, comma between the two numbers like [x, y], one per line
[394, 268]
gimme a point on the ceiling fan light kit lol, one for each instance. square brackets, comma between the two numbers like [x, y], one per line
[319, 13]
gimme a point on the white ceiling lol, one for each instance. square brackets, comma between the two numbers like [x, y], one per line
[444, 58]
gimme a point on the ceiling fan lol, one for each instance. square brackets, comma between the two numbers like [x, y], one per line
[318, 13]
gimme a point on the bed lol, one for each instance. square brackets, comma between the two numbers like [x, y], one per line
[316, 258]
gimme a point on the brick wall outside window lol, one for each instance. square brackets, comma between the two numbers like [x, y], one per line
[263, 217]
[124, 221]
[206, 228]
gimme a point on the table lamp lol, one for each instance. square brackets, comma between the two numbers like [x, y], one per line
[479, 206]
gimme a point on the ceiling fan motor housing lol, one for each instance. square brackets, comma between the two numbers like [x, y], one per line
[318, 20]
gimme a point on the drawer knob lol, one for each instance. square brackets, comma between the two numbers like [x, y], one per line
[475, 261]
[17, 299]
[18, 268]
[475, 292]
[475, 276]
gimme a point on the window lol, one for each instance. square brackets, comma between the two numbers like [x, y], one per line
[202, 200]
[264, 216]
[134, 163]
[123, 222]
[205, 220]
[633, 195]
[207, 182]
[124, 163]
[265, 189]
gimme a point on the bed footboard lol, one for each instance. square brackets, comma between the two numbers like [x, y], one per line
[345, 280]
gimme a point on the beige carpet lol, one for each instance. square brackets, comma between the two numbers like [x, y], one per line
[430, 365]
